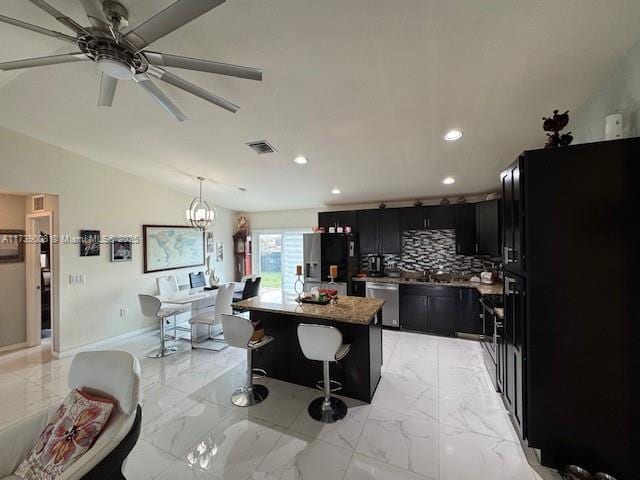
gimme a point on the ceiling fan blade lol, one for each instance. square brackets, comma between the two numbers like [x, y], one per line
[145, 82]
[176, 61]
[191, 88]
[43, 61]
[94, 13]
[62, 18]
[37, 29]
[107, 90]
[168, 20]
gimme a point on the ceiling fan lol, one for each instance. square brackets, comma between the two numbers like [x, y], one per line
[121, 53]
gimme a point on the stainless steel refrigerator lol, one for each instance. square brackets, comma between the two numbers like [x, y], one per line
[321, 250]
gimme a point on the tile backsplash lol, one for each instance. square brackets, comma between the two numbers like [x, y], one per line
[433, 250]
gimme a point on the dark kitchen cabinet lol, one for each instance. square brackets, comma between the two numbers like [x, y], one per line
[412, 218]
[429, 309]
[442, 313]
[358, 289]
[440, 216]
[424, 218]
[345, 218]
[469, 319]
[514, 349]
[413, 312]
[379, 231]
[488, 232]
[501, 348]
[465, 225]
[369, 231]
[390, 231]
[513, 218]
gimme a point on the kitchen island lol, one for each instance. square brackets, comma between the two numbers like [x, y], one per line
[360, 321]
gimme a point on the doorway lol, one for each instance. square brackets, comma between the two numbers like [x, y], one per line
[40, 268]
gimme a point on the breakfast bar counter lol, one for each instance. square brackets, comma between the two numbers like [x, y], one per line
[360, 321]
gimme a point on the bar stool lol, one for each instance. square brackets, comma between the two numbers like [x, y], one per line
[152, 307]
[324, 343]
[237, 333]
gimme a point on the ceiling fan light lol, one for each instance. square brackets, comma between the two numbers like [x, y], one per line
[115, 69]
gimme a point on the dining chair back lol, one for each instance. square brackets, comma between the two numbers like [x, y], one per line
[224, 299]
[251, 288]
[167, 285]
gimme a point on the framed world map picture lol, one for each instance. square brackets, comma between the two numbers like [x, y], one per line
[168, 247]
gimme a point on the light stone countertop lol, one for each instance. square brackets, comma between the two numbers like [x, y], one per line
[357, 310]
[484, 289]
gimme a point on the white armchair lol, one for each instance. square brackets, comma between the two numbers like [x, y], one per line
[114, 374]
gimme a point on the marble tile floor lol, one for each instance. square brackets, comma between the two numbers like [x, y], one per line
[434, 416]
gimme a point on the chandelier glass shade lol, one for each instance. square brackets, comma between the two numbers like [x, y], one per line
[199, 214]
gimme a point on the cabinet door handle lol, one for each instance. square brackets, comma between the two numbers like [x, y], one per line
[424, 222]
[428, 222]
[476, 248]
[459, 249]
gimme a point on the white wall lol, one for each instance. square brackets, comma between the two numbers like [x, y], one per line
[95, 196]
[278, 219]
[13, 328]
[620, 93]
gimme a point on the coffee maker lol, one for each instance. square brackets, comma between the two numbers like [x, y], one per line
[376, 265]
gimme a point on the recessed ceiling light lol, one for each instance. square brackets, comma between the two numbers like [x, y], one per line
[453, 135]
[449, 180]
[300, 160]
[336, 191]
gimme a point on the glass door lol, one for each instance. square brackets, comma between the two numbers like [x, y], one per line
[279, 252]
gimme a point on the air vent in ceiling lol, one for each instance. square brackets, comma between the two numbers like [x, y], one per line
[261, 147]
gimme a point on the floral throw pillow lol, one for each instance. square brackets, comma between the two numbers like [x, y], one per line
[72, 431]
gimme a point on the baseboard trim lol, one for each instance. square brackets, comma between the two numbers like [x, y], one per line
[16, 346]
[104, 342]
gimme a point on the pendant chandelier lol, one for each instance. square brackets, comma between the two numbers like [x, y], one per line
[200, 215]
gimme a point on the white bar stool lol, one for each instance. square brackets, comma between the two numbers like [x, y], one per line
[152, 307]
[324, 343]
[237, 333]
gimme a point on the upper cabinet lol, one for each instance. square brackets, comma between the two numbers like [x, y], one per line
[345, 218]
[423, 218]
[488, 228]
[379, 231]
[412, 218]
[477, 226]
[440, 216]
[369, 231]
[390, 231]
[465, 225]
[512, 218]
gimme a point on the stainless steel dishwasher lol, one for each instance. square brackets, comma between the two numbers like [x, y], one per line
[389, 292]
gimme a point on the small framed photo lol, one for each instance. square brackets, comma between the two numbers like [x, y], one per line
[121, 251]
[209, 242]
[89, 243]
[219, 252]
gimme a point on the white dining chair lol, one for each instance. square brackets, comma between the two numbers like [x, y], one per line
[168, 287]
[212, 318]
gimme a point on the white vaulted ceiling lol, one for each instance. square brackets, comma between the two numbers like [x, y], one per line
[364, 88]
